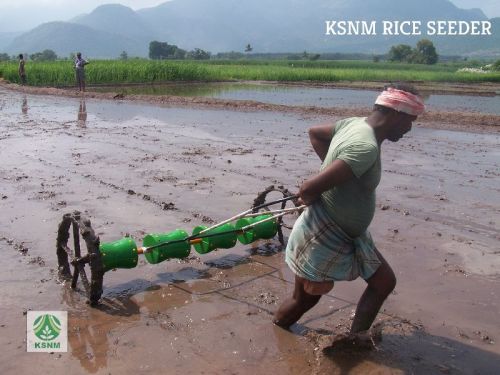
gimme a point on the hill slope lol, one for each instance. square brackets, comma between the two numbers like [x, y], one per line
[225, 25]
[66, 38]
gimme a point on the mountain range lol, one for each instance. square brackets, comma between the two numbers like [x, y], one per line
[229, 25]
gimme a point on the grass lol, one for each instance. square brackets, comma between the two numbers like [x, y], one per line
[61, 73]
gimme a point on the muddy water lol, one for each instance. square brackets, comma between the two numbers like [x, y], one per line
[307, 96]
[437, 224]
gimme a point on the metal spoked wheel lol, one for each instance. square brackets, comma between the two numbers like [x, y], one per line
[263, 198]
[66, 256]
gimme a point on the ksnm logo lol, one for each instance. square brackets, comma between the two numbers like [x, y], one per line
[47, 327]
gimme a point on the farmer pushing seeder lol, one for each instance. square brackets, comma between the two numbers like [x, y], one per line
[245, 227]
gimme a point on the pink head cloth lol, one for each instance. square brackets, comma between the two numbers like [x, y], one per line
[401, 101]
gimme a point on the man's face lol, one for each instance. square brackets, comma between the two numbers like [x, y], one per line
[400, 126]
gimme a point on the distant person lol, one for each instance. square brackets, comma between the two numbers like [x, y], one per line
[22, 70]
[80, 71]
[330, 241]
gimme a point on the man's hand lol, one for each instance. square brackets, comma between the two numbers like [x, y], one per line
[300, 202]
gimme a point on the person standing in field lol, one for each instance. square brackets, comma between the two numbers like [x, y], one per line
[330, 241]
[22, 70]
[80, 71]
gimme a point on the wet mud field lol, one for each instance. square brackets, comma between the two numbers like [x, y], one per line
[136, 168]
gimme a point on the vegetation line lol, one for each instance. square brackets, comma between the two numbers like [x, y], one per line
[61, 73]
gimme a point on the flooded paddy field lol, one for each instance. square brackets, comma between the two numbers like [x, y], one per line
[300, 95]
[138, 168]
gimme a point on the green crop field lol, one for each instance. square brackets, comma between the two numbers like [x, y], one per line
[61, 73]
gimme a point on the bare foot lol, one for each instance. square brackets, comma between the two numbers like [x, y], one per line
[361, 341]
[282, 324]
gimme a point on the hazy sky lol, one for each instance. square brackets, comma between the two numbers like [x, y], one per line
[490, 7]
[21, 15]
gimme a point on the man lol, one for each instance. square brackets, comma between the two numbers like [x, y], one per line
[21, 70]
[80, 71]
[329, 241]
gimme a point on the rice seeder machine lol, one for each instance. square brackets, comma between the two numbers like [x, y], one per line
[257, 223]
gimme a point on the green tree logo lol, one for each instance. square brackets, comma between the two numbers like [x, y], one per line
[47, 327]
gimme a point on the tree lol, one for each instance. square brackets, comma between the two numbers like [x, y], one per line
[425, 53]
[45, 55]
[248, 48]
[496, 65]
[198, 54]
[163, 50]
[124, 55]
[229, 55]
[314, 57]
[4, 57]
[178, 53]
[400, 53]
[157, 50]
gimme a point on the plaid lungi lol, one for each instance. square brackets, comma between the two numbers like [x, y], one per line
[319, 250]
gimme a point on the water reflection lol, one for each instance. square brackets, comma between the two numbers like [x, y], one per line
[82, 114]
[89, 344]
[24, 105]
[91, 329]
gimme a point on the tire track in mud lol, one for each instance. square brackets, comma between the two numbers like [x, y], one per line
[144, 197]
[239, 149]
[184, 157]
[22, 249]
[64, 130]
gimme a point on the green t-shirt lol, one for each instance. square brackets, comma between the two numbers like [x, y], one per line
[352, 204]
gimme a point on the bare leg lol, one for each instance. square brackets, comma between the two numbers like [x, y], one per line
[380, 285]
[293, 308]
[79, 81]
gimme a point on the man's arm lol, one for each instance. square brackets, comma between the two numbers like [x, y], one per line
[335, 174]
[320, 137]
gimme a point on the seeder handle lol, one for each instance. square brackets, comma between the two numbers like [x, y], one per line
[196, 238]
[245, 213]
